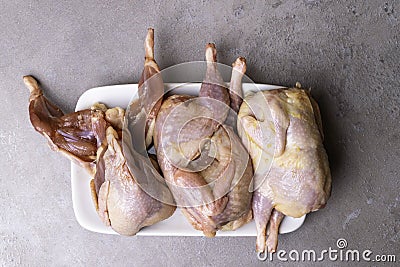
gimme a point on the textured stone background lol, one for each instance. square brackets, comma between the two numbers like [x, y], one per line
[347, 51]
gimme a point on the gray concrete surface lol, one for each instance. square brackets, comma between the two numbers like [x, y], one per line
[347, 51]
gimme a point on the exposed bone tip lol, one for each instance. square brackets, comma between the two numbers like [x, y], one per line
[210, 45]
[259, 249]
[211, 53]
[31, 83]
[240, 65]
[209, 234]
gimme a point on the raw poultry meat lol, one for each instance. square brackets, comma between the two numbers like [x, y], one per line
[205, 164]
[126, 197]
[93, 139]
[70, 134]
[238, 209]
[203, 160]
[150, 87]
[121, 201]
[282, 131]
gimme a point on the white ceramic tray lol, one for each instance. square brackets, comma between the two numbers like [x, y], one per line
[176, 225]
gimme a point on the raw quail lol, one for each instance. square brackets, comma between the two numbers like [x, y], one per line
[203, 160]
[130, 196]
[282, 131]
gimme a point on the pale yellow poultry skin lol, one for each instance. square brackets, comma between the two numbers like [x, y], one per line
[282, 131]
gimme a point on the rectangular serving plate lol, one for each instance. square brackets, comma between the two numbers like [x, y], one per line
[176, 225]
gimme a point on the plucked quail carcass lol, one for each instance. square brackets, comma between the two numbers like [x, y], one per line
[206, 166]
[282, 131]
[124, 201]
[93, 139]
